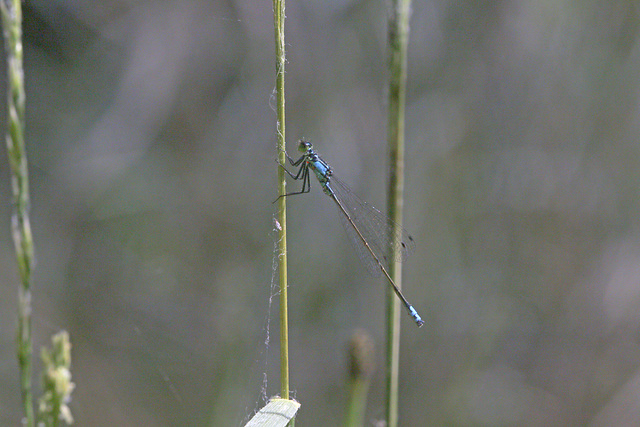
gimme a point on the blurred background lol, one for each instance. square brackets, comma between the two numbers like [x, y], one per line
[151, 142]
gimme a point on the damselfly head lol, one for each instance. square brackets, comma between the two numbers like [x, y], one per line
[304, 146]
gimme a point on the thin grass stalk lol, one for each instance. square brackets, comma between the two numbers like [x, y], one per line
[278, 21]
[361, 367]
[398, 37]
[11, 12]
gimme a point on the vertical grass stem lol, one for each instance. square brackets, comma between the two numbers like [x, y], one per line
[398, 37]
[278, 23]
[11, 11]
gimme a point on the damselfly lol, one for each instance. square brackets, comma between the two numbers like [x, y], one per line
[370, 231]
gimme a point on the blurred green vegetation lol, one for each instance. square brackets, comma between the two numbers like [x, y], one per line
[150, 136]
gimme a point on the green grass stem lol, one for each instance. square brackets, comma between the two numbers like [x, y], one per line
[11, 11]
[278, 24]
[361, 367]
[398, 38]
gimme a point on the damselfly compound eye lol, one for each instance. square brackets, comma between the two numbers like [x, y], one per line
[304, 146]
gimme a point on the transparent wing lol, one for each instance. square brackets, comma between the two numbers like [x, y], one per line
[378, 230]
